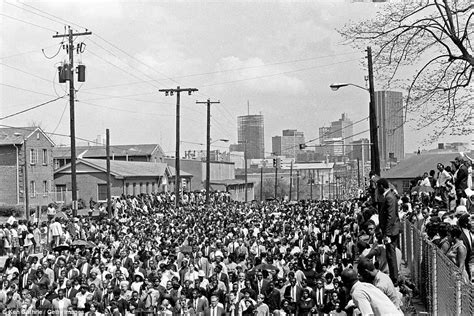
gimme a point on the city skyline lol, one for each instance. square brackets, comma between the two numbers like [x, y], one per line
[226, 51]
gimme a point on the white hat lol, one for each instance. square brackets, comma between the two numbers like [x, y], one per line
[201, 273]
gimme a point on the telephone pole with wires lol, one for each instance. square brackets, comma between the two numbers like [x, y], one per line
[208, 145]
[67, 74]
[177, 182]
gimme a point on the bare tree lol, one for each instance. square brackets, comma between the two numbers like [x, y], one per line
[434, 37]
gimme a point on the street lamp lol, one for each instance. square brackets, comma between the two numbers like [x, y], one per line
[374, 149]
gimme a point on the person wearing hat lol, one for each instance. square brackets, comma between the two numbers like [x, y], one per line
[366, 297]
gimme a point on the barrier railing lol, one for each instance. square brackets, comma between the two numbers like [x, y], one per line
[439, 280]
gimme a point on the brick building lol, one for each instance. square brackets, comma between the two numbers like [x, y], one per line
[127, 177]
[39, 166]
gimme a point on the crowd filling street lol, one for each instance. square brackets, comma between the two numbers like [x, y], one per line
[232, 258]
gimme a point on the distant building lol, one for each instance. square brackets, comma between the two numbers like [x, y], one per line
[287, 145]
[340, 129]
[127, 177]
[250, 135]
[39, 164]
[360, 150]
[136, 152]
[333, 147]
[389, 111]
[220, 170]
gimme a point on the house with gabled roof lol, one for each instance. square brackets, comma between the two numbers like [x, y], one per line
[30, 148]
[135, 152]
[127, 177]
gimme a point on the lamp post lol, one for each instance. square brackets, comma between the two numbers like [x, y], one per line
[374, 149]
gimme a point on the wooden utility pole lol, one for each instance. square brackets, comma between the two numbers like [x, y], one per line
[358, 171]
[72, 92]
[276, 181]
[297, 185]
[25, 185]
[375, 155]
[261, 183]
[245, 167]
[178, 91]
[311, 185]
[291, 180]
[107, 152]
[208, 146]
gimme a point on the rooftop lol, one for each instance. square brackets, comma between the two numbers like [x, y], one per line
[117, 150]
[419, 164]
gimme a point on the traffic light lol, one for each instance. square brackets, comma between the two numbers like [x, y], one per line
[274, 162]
[302, 146]
[278, 163]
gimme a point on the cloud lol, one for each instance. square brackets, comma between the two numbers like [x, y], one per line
[268, 79]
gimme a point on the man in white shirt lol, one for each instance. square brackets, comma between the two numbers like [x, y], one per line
[368, 299]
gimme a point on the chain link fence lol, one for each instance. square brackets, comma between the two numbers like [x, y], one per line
[438, 279]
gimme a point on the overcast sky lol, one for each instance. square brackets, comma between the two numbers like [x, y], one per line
[280, 56]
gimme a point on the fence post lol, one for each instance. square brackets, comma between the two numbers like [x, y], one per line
[458, 293]
[434, 294]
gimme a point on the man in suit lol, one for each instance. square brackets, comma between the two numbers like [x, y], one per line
[272, 297]
[215, 309]
[28, 273]
[460, 178]
[389, 223]
[293, 292]
[43, 306]
[260, 285]
[319, 295]
[70, 292]
[61, 303]
[199, 303]
[202, 264]
[468, 240]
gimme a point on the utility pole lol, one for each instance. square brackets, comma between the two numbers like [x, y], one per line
[107, 152]
[245, 166]
[311, 185]
[208, 145]
[358, 172]
[177, 185]
[297, 185]
[276, 181]
[26, 190]
[261, 184]
[375, 156]
[72, 92]
[291, 179]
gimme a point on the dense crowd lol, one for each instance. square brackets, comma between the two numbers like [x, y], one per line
[228, 258]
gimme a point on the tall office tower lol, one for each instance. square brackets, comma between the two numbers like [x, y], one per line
[288, 144]
[324, 133]
[250, 130]
[389, 111]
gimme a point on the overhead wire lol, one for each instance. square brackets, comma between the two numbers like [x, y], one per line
[30, 108]
[20, 20]
[27, 52]
[61, 118]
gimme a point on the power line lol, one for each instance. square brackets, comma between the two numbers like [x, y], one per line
[30, 108]
[28, 52]
[61, 118]
[43, 16]
[15, 87]
[279, 73]
[42, 27]
[25, 72]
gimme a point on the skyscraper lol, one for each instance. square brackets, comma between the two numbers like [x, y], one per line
[250, 130]
[288, 144]
[341, 130]
[389, 111]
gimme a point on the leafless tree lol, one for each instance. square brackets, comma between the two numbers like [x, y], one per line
[434, 37]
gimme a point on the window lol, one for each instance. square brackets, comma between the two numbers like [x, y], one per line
[45, 187]
[134, 189]
[102, 192]
[38, 136]
[32, 188]
[45, 157]
[33, 156]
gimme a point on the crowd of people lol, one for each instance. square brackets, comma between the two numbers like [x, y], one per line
[225, 258]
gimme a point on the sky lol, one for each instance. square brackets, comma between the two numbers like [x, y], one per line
[275, 58]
